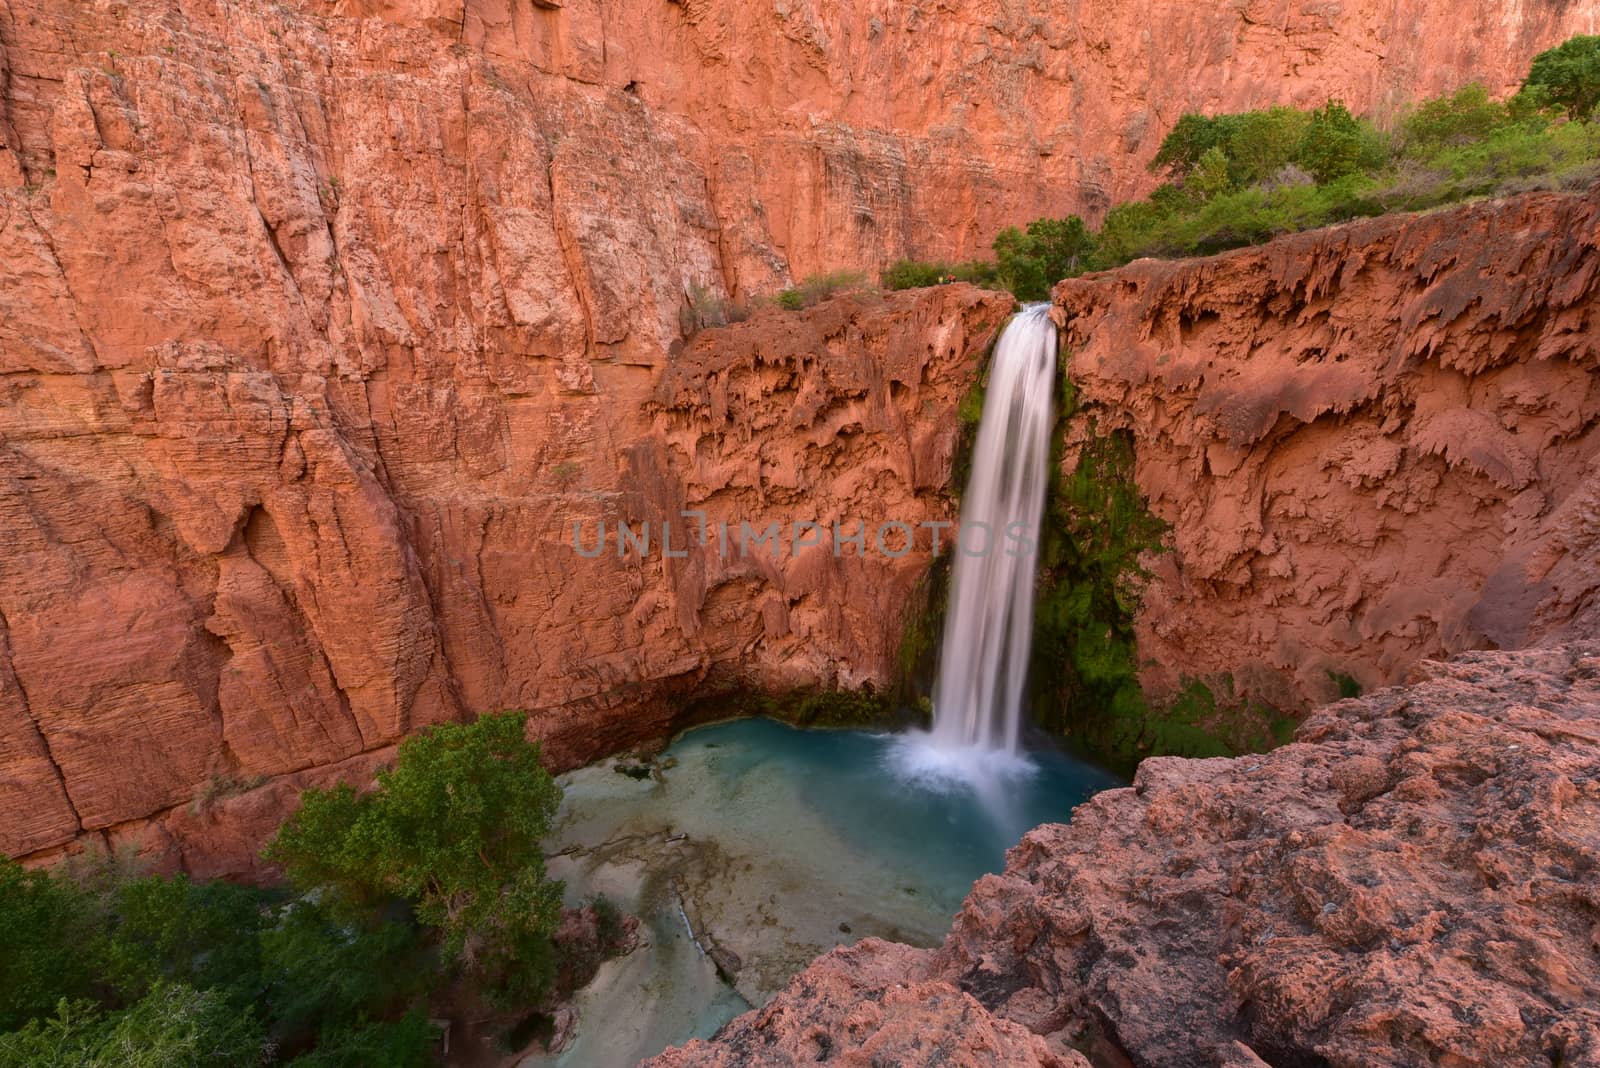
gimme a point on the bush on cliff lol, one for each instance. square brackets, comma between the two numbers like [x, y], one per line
[1031, 261]
[817, 288]
[915, 274]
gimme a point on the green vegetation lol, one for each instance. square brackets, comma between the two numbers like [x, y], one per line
[707, 308]
[453, 830]
[1031, 261]
[820, 287]
[432, 879]
[914, 274]
[1566, 77]
[1242, 179]
[118, 969]
[565, 473]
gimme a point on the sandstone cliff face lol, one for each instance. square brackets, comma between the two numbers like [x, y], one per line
[1375, 443]
[220, 574]
[611, 149]
[1413, 882]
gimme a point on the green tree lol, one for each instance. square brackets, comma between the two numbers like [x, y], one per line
[1259, 144]
[1031, 261]
[1209, 179]
[454, 828]
[327, 974]
[49, 937]
[1567, 76]
[1463, 117]
[177, 931]
[173, 1026]
[1336, 144]
[1192, 137]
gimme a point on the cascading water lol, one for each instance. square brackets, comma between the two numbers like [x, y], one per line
[989, 625]
[977, 701]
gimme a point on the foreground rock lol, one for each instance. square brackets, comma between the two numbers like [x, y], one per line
[1375, 443]
[1415, 881]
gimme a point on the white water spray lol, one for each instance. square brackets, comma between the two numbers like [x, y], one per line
[988, 630]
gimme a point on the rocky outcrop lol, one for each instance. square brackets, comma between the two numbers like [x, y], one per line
[1375, 443]
[1412, 882]
[226, 582]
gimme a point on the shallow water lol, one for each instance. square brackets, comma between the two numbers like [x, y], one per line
[776, 844]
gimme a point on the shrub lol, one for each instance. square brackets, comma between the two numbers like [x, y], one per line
[454, 829]
[1260, 144]
[1255, 144]
[817, 288]
[172, 930]
[173, 1026]
[912, 274]
[326, 976]
[1336, 144]
[1192, 137]
[1566, 77]
[916, 274]
[1465, 116]
[708, 308]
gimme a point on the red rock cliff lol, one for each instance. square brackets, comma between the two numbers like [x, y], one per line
[1376, 443]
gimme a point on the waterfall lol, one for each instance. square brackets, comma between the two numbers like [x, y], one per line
[988, 629]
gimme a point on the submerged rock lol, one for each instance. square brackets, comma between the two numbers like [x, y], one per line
[1415, 881]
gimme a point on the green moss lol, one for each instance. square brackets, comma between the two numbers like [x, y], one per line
[1084, 671]
[1347, 684]
[917, 662]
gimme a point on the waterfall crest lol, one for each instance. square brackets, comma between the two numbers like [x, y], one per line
[988, 629]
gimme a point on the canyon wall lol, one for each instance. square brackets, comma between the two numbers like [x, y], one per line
[1375, 443]
[1413, 882]
[225, 582]
[614, 149]
[320, 321]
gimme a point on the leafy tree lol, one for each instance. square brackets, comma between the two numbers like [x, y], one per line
[454, 828]
[48, 940]
[327, 975]
[177, 931]
[1209, 179]
[1256, 144]
[1192, 137]
[403, 1043]
[173, 1026]
[1567, 77]
[1336, 144]
[1260, 144]
[1050, 250]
